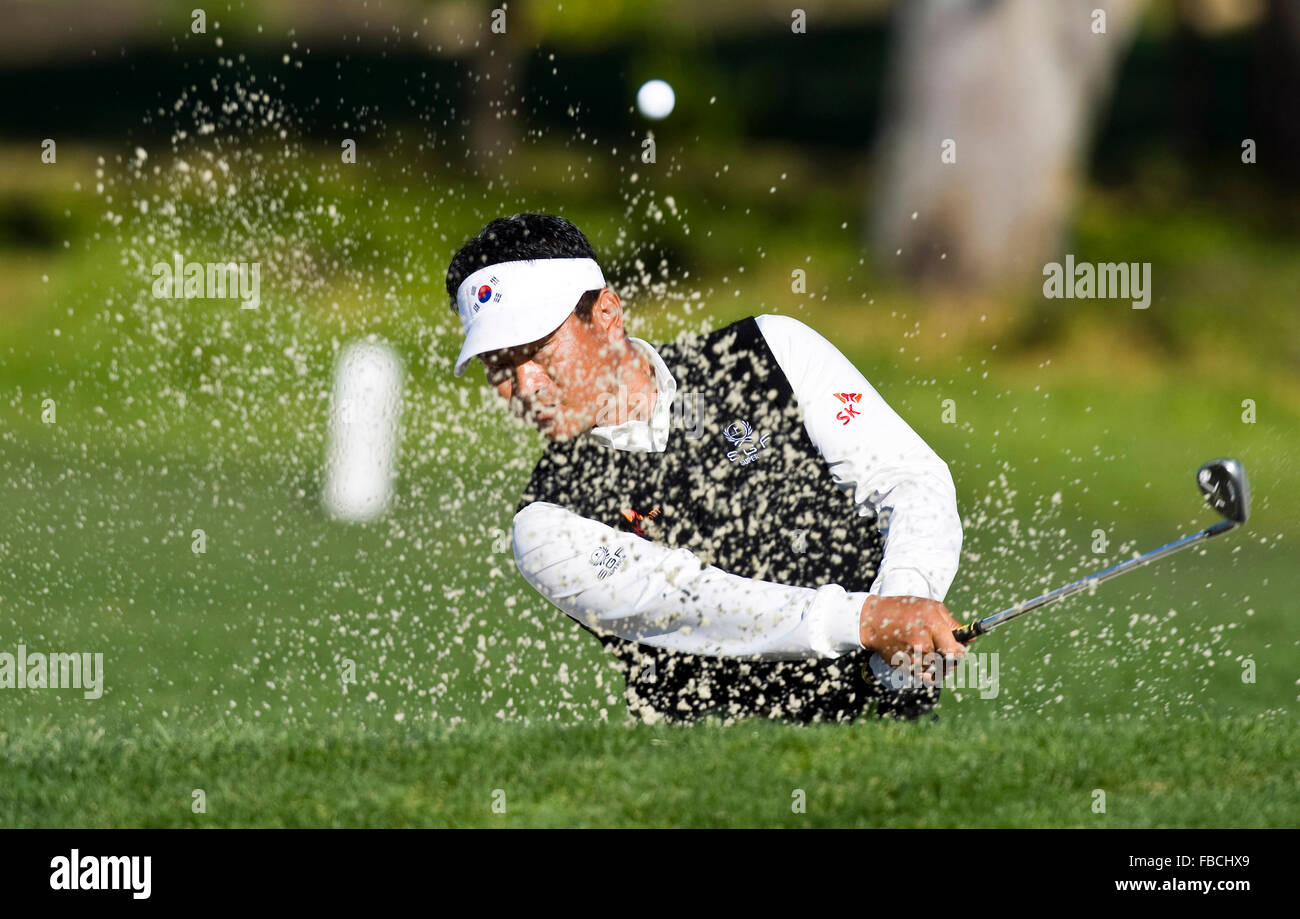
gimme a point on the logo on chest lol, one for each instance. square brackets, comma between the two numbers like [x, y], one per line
[741, 433]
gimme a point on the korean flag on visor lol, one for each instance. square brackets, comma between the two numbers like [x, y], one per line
[514, 303]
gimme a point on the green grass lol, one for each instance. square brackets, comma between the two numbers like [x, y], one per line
[223, 669]
[1203, 771]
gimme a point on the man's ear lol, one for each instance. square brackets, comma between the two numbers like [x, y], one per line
[607, 312]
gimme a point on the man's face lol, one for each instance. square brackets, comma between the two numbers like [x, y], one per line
[556, 384]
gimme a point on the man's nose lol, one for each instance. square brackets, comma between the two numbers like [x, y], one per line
[530, 379]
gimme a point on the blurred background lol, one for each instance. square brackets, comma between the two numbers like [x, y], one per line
[896, 175]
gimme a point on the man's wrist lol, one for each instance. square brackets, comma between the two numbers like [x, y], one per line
[866, 621]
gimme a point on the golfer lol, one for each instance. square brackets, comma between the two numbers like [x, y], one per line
[737, 516]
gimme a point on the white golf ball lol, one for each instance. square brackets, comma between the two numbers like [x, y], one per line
[656, 99]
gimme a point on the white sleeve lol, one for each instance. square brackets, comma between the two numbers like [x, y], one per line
[875, 457]
[617, 582]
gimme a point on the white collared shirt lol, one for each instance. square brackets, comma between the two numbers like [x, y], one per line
[641, 436]
[669, 598]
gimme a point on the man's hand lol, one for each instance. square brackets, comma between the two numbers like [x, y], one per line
[906, 629]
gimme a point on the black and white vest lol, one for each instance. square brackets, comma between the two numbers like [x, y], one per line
[740, 484]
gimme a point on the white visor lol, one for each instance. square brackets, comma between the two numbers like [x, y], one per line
[513, 303]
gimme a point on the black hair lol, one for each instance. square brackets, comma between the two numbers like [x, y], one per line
[523, 236]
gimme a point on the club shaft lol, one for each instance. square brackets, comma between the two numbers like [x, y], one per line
[981, 626]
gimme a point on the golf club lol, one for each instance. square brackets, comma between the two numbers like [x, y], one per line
[1224, 485]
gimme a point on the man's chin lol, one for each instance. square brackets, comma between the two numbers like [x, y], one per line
[555, 434]
[554, 430]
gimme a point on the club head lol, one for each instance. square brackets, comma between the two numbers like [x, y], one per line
[1223, 482]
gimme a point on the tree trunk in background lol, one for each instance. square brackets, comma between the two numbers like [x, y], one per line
[1277, 87]
[492, 87]
[1016, 84]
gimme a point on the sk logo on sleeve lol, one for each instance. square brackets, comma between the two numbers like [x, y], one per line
[848, 413]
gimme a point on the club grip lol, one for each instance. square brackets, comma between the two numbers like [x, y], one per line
[968, 633]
